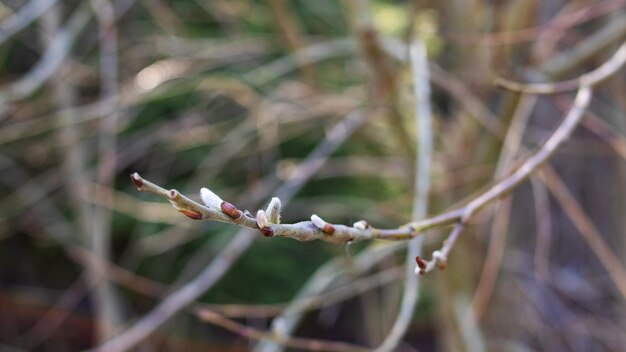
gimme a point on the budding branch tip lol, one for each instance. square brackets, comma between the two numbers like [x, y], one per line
[136, 180]
[421, 265]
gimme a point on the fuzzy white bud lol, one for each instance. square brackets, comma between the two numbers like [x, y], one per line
[322, 225]
[361, 225]
[273, 211]
[209, 198]
[439, 257]
[261, 219]
[318, 222]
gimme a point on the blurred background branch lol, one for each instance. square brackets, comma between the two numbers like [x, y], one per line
[313, 102]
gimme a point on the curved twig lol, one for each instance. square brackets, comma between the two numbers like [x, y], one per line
[22, 18]
[589, 79]
[293, 342]
[423, 166]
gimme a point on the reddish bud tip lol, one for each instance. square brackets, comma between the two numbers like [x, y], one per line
[328, 229]
[137, 181]
[230, 210]
[191, 214]
[267, 231]
[421, 263]
[442, 265]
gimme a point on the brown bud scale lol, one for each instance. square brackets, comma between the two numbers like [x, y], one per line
[230, 210]
[137, 181]
[421, 263]
[191, 213]
[267, 232]
[328, 229]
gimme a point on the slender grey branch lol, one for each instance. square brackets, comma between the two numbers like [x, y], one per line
[423, 166]
[286, 341]
[51, 60]
[560, 135]
[21, 19]
[308, 230]
[590, 79]
[333, 272]
[599, 41]
[106, 305]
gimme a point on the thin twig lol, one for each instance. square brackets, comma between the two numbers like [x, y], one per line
[26, 15]
[560, 135]
[108, 311]
[498, 235]
[596, 125]
[384, 80]
[587, 229]
[56, 53]
[593, 44]
[290, 33]
[543, 217]
[333, 272]
[590, 79]
[423, 167]
[308, 303]
[562, 22]
[293, 342]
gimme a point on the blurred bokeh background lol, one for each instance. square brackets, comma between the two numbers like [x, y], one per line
[310, 101]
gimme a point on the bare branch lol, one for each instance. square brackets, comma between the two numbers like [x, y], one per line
[26, 15]
[590, 79]
[560, 135]
[502, 213]
[106, 305]
[307, 231]
[587, 229]
[51, 60]
[423, 166]
[293, 342]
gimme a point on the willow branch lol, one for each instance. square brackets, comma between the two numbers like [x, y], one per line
[308, 303]
[21, 19]
[293, 342]
[106, 302]
[590, 79]
[332, 273]
[423, 166]
[219, 265]
[599, 41]
[51, 60]
[361, 230]
[502, 212]
[587, 229]
[337, 233]
[560, 135]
